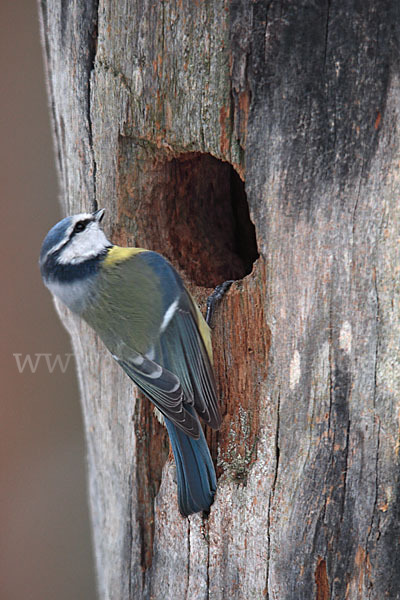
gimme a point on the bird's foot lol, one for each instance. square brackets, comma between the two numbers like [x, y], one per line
[216, 297]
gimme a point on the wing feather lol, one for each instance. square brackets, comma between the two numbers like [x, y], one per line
[164, 389]
[185, 353]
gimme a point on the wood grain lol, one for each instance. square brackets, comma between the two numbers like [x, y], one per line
[302, 100]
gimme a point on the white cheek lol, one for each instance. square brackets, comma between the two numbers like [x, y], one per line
[85, 245]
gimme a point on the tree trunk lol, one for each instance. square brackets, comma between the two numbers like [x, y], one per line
[160, 111]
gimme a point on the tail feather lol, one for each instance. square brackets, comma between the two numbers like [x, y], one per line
[195, 472]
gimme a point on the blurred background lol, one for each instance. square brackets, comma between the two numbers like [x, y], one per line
[45, 540]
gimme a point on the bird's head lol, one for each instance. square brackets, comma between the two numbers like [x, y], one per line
[73, 241]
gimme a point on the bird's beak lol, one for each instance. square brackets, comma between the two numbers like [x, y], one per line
[99, 214]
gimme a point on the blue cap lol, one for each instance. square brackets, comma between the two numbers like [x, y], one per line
[55, 235]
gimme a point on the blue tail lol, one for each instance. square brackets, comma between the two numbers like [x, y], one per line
[195, 472]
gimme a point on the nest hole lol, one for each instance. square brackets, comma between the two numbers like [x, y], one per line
[210, 234]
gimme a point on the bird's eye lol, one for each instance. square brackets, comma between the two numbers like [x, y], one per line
[80, 226]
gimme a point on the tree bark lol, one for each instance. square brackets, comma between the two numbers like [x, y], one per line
[160, 110]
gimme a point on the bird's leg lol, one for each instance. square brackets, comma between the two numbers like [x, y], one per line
[216, 297]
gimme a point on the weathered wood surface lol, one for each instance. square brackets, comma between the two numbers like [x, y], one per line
[302, 98]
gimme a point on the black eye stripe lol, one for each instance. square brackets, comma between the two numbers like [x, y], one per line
[80, 226]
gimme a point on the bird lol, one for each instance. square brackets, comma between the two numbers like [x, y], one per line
[136, 302]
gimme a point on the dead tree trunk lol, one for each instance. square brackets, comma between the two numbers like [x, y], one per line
[161, 110]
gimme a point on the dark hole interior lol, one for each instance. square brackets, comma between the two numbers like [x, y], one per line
[209, 228]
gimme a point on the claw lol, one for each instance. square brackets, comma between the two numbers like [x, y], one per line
[216, 297]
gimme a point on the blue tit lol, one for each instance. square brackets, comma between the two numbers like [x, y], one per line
[136, 302]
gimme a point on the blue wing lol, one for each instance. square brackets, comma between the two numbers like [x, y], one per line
[175, 370]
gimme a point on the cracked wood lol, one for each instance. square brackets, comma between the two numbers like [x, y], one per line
[303, 100]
